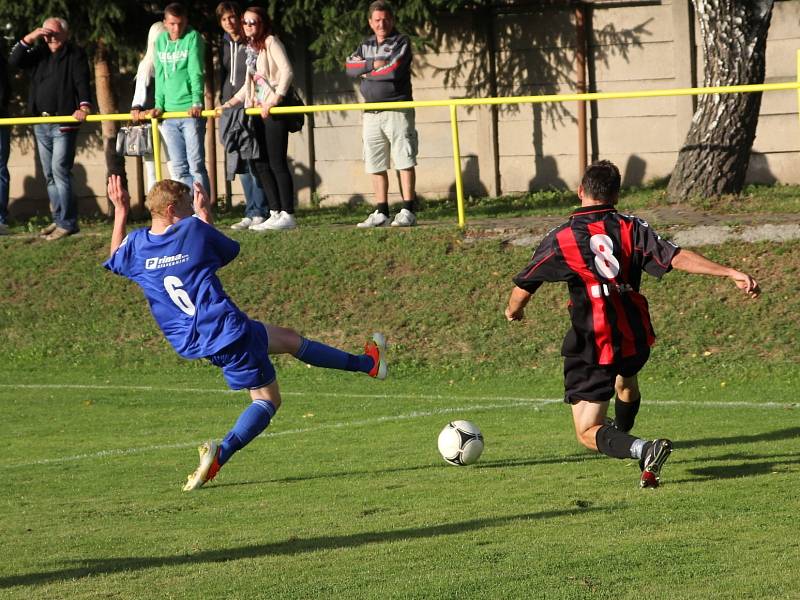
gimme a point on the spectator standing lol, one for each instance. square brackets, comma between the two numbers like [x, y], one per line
[382, 63]
[144, 100]
[233, 72]
[5, 142]
[269, 77]
[59, 76]
[179, 68]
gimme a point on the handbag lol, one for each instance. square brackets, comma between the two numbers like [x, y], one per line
[136, 140]
[294, 121]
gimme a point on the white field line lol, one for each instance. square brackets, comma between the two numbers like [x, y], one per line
[148, 388]
[338, 425]
[509, 402]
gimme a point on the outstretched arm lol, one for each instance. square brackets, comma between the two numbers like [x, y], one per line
[692, 262]
[122, 202]
[515, 311]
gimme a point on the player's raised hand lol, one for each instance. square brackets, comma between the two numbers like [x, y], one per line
[118, 194]
[202, 203]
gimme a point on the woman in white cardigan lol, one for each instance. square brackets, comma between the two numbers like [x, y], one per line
[144, 100]
[269, 76]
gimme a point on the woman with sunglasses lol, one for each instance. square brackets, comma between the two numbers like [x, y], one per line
[269, 77]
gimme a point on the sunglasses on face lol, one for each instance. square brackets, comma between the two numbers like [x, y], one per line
[251, 22]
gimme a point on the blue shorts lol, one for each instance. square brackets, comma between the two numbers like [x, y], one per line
[245, 363]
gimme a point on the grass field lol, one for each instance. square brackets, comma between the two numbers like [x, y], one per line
[345, 496]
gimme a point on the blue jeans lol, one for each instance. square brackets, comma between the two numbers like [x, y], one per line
[5, 147]
[185, 139]
[57, 155]
[255, 201]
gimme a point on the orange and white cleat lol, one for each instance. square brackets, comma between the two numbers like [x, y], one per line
[208, 469]
[376, 348]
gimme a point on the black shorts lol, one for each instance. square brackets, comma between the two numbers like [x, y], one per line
[584, 381]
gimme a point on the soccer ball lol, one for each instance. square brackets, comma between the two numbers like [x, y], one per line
[461, 443]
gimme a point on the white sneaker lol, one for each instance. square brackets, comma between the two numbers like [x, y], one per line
[285, 221]
[4, 229]
[247, 223]
[405, 218]
[264, 225]
[376, 219]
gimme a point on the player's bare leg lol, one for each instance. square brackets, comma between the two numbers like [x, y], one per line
[588, 417]
[594, 433]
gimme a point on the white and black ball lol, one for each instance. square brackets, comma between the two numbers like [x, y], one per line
[461, 443]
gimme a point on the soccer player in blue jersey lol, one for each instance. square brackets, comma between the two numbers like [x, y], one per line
[601, 255]
[175, 261]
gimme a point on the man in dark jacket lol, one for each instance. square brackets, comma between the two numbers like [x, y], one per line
[232, 75]
[59, 76]
[382, 63]
[5, 141]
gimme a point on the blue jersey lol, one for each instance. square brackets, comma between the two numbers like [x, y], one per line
[177, 272]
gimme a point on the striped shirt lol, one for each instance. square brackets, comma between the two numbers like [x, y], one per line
[601, 255]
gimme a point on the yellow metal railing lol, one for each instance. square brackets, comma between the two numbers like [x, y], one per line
[452, 104]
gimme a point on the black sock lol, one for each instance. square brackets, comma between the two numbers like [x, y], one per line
[408, 205]
[625, 413]
[617, 444]
[383, 208]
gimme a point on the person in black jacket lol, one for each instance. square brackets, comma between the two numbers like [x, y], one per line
[59, 76]
[5, 141]
[232, 75]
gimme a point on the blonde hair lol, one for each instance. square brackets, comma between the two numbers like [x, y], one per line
[165, 193]
[147, 67]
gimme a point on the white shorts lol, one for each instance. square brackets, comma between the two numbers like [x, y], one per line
[389, 131]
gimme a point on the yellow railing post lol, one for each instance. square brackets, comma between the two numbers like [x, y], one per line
[457, 165]
[156, 147]
[798, 83]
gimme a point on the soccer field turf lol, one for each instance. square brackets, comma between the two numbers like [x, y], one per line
[346, 496]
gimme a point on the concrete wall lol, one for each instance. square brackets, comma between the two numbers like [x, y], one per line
[512, 149]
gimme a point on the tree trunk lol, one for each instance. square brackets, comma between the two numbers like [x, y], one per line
[716, 153]
[107, 104]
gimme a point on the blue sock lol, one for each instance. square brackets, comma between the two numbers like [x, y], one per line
[328, 357]
[251, 422]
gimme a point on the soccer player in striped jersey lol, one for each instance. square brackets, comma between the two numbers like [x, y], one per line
[601, 255]
[175, 262]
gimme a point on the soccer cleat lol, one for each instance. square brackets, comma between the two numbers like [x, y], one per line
[376, 348]
[208, 469]
[652, 462]
[405, 218]
[375, 219]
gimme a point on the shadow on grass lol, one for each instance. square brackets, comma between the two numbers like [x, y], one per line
[509, 463]
[767, 436]
[106, 566]
[751, 465]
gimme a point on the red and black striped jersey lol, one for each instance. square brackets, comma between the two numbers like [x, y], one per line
[601, 254]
